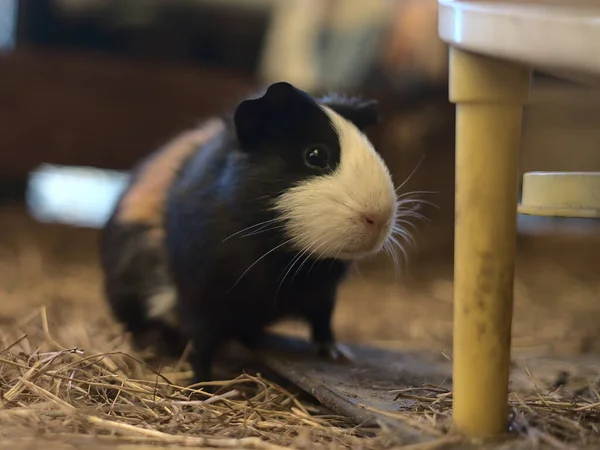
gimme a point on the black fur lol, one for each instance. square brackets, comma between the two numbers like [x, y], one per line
[136, 268]
[233, 286]
[362, 113]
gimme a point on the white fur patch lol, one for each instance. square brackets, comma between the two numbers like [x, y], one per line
[324, 215]
[162, 306]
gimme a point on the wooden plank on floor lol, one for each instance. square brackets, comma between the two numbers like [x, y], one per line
[363, 389]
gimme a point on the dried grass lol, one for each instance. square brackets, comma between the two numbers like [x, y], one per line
[556, 417]
[113, 395]
[56, 390]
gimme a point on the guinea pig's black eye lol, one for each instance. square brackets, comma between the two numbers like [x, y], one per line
[317, 156]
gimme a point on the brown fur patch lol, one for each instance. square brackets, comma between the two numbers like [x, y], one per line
[144, 202]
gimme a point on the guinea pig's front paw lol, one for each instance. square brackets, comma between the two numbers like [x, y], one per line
[335, 352]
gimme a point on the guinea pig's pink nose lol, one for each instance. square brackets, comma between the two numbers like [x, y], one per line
[375, 218]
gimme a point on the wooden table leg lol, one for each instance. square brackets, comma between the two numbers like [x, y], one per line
[489, 95]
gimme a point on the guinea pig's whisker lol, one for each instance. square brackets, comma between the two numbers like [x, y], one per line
[307, 258]
[408, 212]
[402, 225]
[399, 228]
[412, 216]
[290, 265]
[251, 227]
[397, 264]
[256, 262]
[404, 219]
[400, 247]
[416, 192]
[405, 235]
[415, 204]
[262, 230]
[357, 268]
[389, 250]
[415, 201]
[408, 239]
[407, 209]
[413, 193]
[317, 261]
[418, 202]
[338, 252]
[399, 221]
[405, 212]
[340, 248]
[310, 255]
[413, 209]
[411, 174]
[306, 251]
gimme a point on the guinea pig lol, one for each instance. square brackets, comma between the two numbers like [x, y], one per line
[247, 220]
[133, 257]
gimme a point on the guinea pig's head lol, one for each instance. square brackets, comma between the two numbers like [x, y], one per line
[339, 201]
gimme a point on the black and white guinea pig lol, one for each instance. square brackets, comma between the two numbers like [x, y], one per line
[247, 220]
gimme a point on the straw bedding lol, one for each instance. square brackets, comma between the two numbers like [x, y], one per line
[112, 395]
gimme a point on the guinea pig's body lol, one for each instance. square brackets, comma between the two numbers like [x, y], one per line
[259, 223]
[137, 278]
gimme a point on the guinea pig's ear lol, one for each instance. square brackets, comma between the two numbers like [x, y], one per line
[269, 115]
[362, 113]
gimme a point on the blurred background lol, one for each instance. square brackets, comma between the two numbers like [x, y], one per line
[89, 87]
